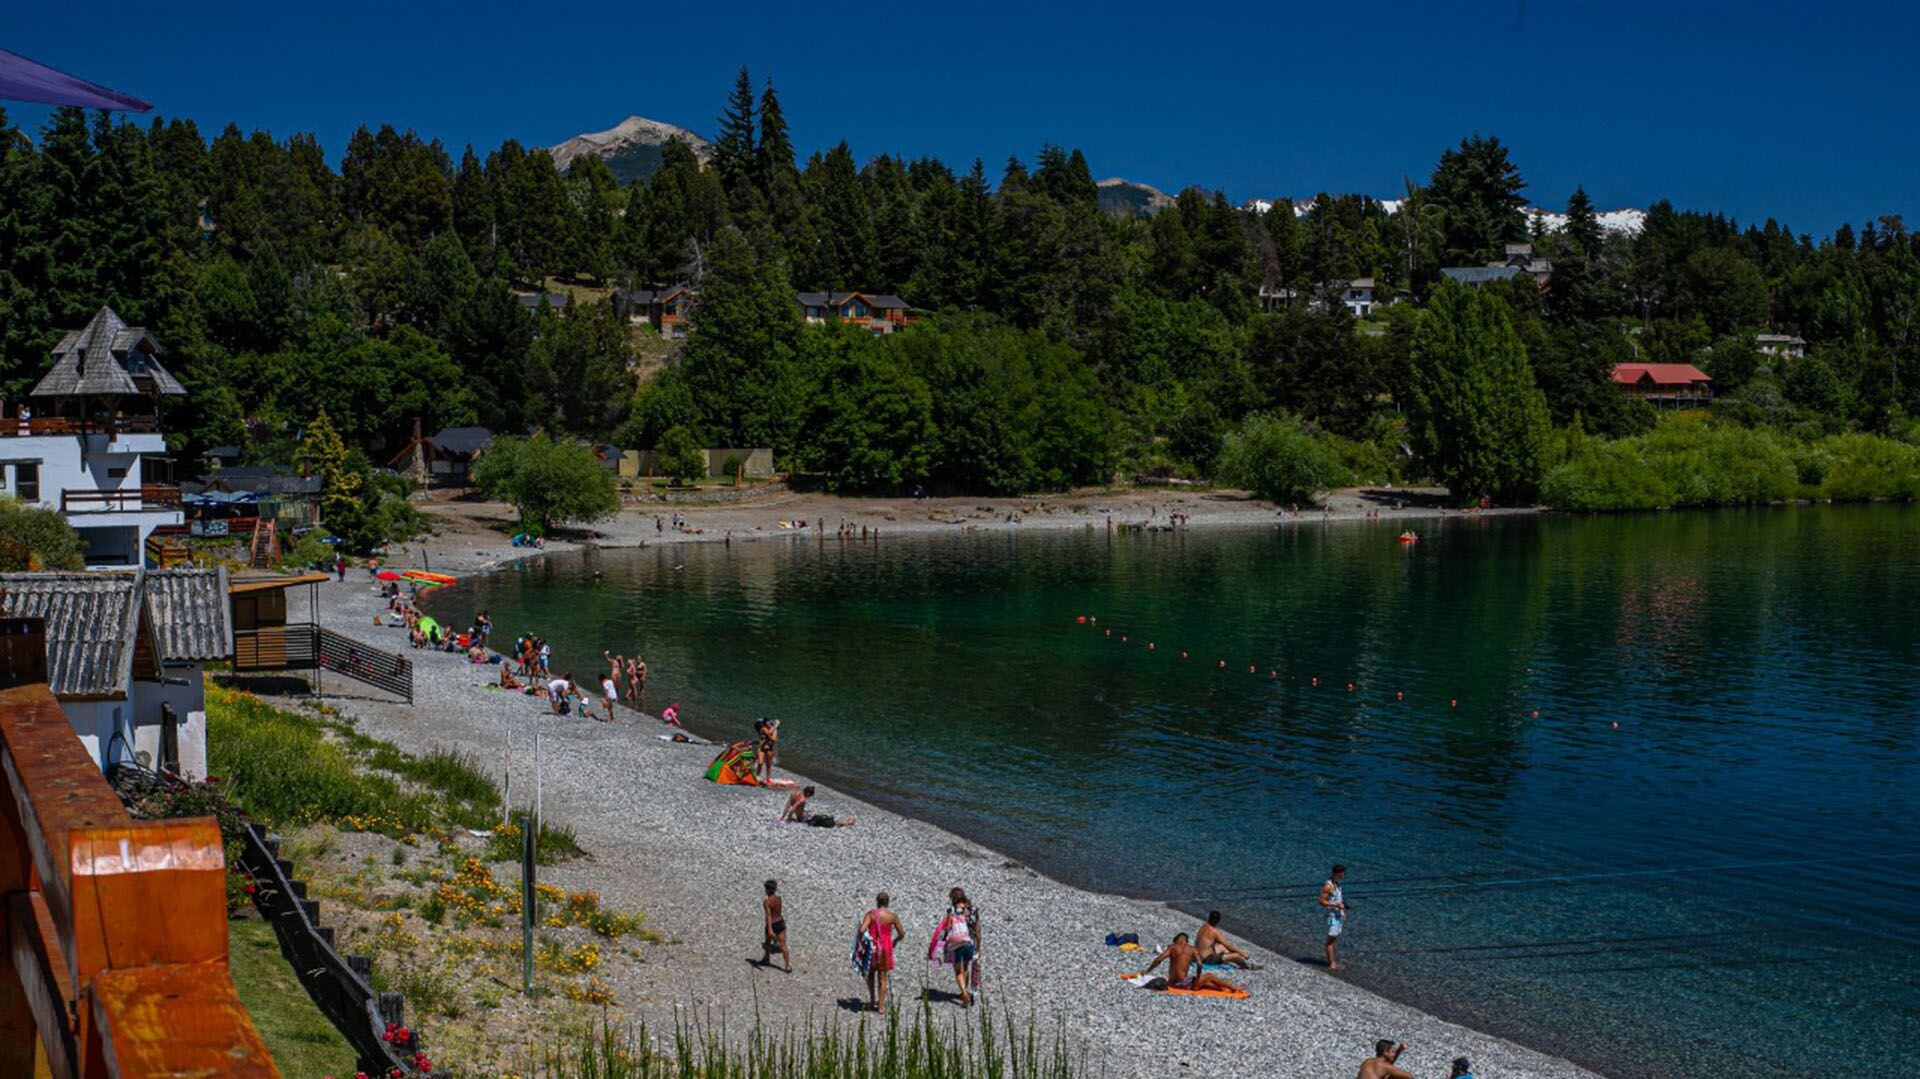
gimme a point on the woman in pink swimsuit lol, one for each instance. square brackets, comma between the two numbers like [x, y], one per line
[885, 928]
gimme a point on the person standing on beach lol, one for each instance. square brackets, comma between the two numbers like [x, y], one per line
[768, 745]
[774, 919]
[1336, 908]
[884, 927]
[636, 680]
[1382, 1065]
[610, 694]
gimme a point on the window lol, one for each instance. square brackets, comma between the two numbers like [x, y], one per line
[26, 482]
[117, 473]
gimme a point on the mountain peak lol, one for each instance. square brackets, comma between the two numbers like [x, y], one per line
[632, 148]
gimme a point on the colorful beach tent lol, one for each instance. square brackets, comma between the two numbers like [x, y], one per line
[22, 79]
[428, 625]
[734, 765]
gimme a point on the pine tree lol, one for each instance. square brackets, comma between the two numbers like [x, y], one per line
[733, 156]
[780, 180]
[70, 175]
[1473, 410]
[848, 242]
[1583, 227]
[1477, 190]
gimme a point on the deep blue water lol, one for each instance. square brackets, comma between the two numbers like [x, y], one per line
[1728, 880]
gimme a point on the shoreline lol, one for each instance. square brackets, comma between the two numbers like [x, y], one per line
[1046, 955]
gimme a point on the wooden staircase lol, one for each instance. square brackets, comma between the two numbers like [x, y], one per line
[264, 550]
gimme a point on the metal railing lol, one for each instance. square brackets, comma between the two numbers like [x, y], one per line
[14, 427]
[116, 963]
[310, 647]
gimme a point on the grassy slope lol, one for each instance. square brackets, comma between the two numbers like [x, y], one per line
[303, 1043]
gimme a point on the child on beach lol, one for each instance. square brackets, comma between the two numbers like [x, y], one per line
[956, 940]
[884, 928]
[774, 915]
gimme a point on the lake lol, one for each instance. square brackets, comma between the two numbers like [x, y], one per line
[1640, 791]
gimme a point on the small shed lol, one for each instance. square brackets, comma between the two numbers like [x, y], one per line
[125, 655]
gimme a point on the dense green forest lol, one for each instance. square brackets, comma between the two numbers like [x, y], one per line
[1057, 344]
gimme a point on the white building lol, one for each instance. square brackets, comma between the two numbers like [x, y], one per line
[87, 442]
[125, 653]
[1781, 346]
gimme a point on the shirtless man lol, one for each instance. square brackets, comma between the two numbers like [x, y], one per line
[1214, 948]
[775, 924]
[1183, 968]
[1381, 1065]
[796, 812]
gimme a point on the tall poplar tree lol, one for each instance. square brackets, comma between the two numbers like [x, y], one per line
[1473, 410]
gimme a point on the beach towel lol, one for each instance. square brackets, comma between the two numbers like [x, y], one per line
[1146, 980]
[862, 957]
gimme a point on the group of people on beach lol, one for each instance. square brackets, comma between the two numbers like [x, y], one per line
[955, 942]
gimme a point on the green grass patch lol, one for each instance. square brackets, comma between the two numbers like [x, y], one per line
[287, 768]
[282, 769]
[301, 1040]
[912, 1045]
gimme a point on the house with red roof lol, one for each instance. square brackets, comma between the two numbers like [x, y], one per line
[1679, 385]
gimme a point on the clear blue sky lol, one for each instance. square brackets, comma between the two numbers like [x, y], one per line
[1802, 112]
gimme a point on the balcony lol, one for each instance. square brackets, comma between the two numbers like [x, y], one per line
[151, 496]
[14, 427]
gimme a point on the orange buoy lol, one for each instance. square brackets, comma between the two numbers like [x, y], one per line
[1349, 687]
[1536, 713]
[1453, 704]
[1082, 620]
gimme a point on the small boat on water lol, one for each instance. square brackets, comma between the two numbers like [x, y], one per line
[1409, 536]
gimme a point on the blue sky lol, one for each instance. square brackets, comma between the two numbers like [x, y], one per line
[1801, 112]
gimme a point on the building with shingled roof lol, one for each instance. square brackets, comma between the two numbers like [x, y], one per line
[87, 440]
[125, 654]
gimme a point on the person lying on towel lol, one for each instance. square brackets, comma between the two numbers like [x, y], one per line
[1183, 968]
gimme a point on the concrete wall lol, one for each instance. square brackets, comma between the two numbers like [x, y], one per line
[138, 723]
[635, 464]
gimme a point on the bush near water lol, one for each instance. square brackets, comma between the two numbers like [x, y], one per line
[1693, 461]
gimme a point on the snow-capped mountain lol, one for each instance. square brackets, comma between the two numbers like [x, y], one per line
[1623, 222]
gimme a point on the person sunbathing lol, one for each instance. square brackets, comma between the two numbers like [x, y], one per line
[796, 812]
[1183, 968]
[1214, 947]
[507, 680]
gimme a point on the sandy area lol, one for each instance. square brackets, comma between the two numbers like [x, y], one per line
[692, 855]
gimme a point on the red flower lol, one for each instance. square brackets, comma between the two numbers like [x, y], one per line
[211, 779]
[251, 889]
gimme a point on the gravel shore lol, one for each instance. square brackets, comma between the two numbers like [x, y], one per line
[693, 855]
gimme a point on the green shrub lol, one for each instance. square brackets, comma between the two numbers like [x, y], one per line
[1693, 462]
[680, 455]
[29, 535]
[1276, 458]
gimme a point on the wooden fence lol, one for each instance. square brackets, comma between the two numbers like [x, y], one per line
[115, 929]
[339, 985]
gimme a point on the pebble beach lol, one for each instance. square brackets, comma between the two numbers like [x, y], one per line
[692, 856]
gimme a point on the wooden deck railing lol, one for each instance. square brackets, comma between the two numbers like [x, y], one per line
[14, 427]
[115, 929]
[147, 496]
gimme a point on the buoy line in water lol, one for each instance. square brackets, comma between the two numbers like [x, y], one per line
[1454, 884]
[1272, 672]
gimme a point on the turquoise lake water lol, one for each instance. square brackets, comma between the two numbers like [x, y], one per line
[1729, 879]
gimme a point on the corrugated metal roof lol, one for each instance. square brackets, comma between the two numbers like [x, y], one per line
[91, 619]
[191, 613]
[104, 357]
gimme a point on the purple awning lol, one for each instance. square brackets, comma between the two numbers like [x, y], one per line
[23, 80]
